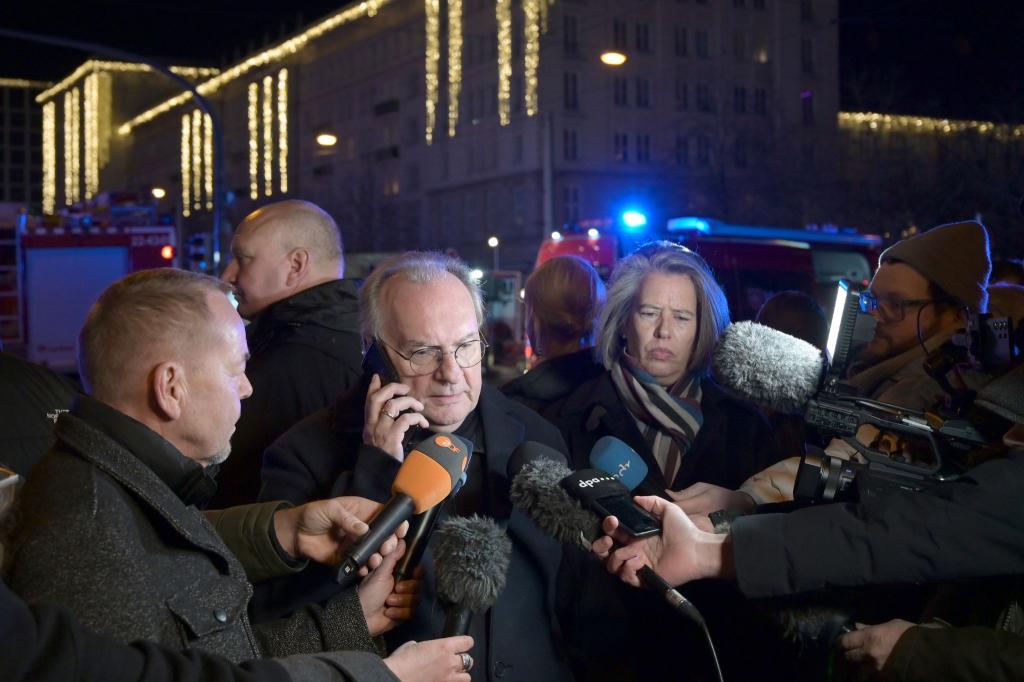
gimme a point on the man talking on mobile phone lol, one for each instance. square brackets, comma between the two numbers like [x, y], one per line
[421, 313]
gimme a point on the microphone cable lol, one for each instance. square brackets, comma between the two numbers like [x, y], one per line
[681, 605]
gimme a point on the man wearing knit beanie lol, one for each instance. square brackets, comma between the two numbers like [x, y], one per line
[923, 287]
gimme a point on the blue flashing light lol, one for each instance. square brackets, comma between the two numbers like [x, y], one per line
[634, 219]
[689, 223]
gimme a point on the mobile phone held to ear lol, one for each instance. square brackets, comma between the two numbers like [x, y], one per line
[376, 361]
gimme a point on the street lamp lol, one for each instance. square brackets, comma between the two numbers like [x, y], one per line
[158, 192]
[613, 58]
[327, 139]
[493, 243]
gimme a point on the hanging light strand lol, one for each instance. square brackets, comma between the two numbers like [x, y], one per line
[503, 14]
[454, 63]
[432, 10]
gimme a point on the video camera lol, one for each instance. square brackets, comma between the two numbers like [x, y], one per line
[924, 448]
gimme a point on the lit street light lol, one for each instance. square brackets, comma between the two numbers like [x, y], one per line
[327, 139]
[613, 58]
[158, 192]
[493, 243]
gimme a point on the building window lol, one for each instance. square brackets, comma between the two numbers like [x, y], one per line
[739, 46]
[643, 147]
[570, 203]
[807, 108]
[703, 97]
[703, 150]
[680, 44]
[808, 157]
[682, 151]
[703, 48]
[807, 55]
[643, 38]
[570, 145]
[682, 95]
[760, 101]
[620, 89]
[621, 147]
[739, 100]
[806, 10]
[643, 92]
[570, 35]
[739, 153]
[619, 31]
[570, 91]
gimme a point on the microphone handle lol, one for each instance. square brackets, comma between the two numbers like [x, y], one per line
[456, 620]
[672, 595]
[416, 540]
[398, 509]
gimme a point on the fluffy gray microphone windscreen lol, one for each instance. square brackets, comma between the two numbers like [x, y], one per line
[766, 367]
[537, 491]
[472, 556]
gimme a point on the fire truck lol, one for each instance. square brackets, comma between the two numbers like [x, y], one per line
[52, 269]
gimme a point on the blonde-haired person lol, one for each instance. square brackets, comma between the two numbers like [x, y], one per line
[655, 336]
[563, 298]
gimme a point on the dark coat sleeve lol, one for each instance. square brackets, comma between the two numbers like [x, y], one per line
[45, 644]
[304, 462]
[965, 529]
[956, 655]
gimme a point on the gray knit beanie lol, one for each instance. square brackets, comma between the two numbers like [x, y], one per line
[955, 257]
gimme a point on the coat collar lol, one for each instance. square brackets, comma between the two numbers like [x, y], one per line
[115, 460]
[192, 483]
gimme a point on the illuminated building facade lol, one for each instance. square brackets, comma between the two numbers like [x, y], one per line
[455, 120]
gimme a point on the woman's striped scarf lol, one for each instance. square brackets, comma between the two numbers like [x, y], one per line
[669, 419]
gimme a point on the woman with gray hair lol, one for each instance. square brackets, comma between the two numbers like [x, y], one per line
[655, 336]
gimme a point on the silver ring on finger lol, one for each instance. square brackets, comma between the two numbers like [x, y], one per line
[467, 662]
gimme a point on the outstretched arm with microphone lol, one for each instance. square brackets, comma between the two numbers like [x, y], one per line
[681, 553]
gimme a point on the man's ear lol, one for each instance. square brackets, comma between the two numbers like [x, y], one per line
[298, 266]
[169, 390]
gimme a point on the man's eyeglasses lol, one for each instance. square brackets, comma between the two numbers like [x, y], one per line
[427, 360]
[891, 309]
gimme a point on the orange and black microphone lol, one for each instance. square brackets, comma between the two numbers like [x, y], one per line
[426, 477]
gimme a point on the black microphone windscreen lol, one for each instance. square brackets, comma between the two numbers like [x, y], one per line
[813, 625]
[537, 491]
[472, 555]
[766, 367]
[529, 451]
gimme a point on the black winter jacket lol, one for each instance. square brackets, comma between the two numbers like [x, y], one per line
[324, 456]
[554, 379]
[31, 397]
[305, 351]
[620, 633]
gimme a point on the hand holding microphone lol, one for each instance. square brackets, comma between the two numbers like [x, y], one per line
[538, 490]
[681, 553]
[425, 478]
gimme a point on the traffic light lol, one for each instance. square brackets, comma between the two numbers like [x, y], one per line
[198, 252]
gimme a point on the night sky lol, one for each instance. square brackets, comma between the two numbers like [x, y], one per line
[932, 57]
